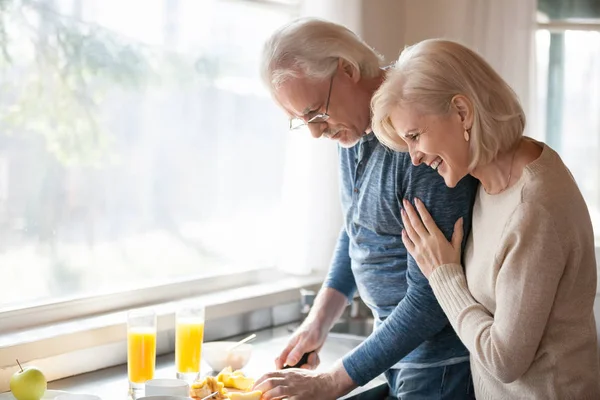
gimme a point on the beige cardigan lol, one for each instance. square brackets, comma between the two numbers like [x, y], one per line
[525, 308]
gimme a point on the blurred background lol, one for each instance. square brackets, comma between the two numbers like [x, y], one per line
[138, 145]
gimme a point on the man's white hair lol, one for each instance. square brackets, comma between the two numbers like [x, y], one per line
[311, 47]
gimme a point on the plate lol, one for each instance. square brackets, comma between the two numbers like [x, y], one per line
[50, 394]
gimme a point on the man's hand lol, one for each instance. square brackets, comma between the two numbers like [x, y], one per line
[309, 338]
[329, 305]
[297, 384]
[302, 384]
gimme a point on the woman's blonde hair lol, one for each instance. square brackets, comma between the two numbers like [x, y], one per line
[428, 75]
[312, 47]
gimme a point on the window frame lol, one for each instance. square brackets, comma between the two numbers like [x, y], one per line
[561, 26]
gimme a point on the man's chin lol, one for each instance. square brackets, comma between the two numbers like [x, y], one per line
[346, 139]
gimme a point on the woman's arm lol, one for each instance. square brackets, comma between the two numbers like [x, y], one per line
[531, 261]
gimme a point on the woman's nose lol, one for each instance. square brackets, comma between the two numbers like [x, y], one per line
[416, 157]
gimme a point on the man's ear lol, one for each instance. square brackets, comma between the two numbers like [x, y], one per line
[349, 70]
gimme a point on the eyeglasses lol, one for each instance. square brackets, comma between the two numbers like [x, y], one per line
[296, 123]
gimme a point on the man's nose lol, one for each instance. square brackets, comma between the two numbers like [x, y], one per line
[316, 130]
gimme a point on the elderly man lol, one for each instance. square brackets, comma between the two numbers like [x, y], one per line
[323, 76]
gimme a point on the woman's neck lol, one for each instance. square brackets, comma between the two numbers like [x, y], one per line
[506, 170]
[498, 175]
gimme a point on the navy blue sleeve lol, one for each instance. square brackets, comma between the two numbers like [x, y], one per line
[340, 276]
[418, 316]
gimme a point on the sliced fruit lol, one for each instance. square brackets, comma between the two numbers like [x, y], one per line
[208, 385]
[241, 382]
[255, 395]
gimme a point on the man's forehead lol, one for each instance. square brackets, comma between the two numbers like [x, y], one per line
[298, 96]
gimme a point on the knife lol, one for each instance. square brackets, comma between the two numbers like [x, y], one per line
[300, 363]
[210, 396]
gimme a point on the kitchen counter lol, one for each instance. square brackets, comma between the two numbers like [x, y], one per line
[111, 383]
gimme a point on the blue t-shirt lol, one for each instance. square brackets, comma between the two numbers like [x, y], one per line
[412, 330]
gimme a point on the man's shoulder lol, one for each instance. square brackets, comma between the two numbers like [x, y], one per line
[426, 178]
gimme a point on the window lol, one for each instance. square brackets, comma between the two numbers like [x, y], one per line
[568, 95]
[137, 144]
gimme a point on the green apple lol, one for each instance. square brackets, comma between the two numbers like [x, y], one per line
[28, 383]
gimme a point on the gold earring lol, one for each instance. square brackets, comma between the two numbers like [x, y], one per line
[466, 135]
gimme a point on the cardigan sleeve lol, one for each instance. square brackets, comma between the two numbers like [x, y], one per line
[531, 263]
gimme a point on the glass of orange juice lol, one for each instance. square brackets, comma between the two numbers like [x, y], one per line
[141, 348]
[189, 334]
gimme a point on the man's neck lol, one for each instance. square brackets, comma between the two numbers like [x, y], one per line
[371, 86]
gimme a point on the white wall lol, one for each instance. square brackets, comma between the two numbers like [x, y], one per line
[502, 31]
[383, 26]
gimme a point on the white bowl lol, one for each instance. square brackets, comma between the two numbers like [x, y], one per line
[217, 357]
[171, 387]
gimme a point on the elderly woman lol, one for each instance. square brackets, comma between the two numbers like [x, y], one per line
[523, 303]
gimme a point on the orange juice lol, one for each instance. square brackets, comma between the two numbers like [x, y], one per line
[141, 354]
[188, 345]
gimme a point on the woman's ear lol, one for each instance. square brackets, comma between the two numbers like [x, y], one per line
[349, 70]
[464, 107]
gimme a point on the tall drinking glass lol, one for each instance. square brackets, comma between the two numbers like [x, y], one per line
[141, 348]
[189, 334]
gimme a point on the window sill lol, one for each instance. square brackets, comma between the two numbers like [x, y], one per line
[91, 343]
